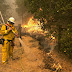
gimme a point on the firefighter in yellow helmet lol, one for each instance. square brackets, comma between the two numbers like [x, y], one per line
[8, 32]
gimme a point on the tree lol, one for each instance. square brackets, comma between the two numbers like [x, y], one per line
[57, 13]
[53, 13]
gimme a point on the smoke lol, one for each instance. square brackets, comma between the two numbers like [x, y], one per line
[26, 17]
[12, 11]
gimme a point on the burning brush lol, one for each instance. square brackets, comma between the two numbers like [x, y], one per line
[57, 67]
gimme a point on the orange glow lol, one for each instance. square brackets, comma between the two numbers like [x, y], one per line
[40, 9]
[33, 25]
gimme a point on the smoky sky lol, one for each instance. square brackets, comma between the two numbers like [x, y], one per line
[12, 11]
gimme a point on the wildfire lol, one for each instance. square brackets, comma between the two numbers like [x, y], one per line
[40, 9]
[33, 25]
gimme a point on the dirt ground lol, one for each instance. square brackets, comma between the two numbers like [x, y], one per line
[31, 59]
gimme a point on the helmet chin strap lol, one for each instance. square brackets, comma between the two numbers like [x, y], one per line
[10, 23]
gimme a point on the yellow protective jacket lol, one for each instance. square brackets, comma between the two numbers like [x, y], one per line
[8, 34]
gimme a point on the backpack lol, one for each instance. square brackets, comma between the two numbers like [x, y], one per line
[2, 40]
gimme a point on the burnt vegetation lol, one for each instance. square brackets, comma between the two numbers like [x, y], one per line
[52, 13]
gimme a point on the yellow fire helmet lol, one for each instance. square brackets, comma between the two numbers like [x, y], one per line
[12, 20]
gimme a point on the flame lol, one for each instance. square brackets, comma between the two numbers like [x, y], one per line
[33, 25]
[40, 9]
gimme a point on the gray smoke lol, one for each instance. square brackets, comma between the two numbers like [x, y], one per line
[12, 11]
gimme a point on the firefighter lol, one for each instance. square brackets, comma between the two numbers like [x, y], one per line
[8, 32]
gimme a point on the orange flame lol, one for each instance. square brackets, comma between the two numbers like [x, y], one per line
[33, 25]
[40, 9]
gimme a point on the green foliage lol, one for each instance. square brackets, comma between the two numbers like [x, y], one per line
[66, 42]
[57, 13]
